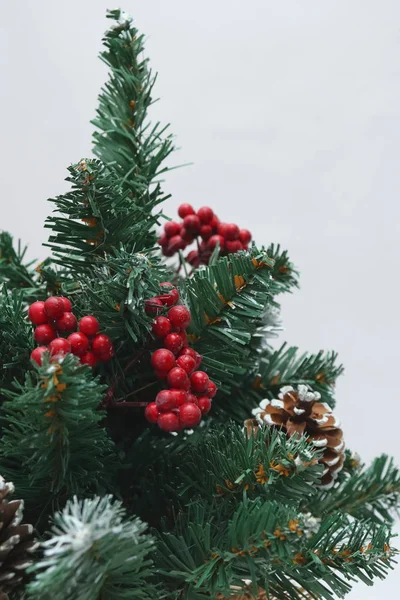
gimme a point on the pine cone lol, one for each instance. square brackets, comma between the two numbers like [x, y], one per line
[16, 541]
[300, 412]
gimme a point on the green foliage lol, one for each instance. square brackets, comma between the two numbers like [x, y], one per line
[15, 337]
[99, 215]
[286, 367]
[94, 551]
[225, 462]
[14, 271]
[126, 141]
[218, 464]
[116, 291]
[284, 274]
[372, 493]
[227, 301]
[205, 555]
[53, 444]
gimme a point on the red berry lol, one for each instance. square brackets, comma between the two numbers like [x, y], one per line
[180, 396]
[172, 228]
[187, 236]
[170, 295]
[37, 313]
[176, 243]
[59, 346]
[187, 363]
[177, 378]
[222, 229]
[163, 241]
[54, 307]
[179, 316]
[184, 210]
[165, 400]
[79, 343]
[192, 223]
[167, 252]
[189, 415]
[192, 257]
[44, 334]
[206, 232]
[188, 352]
[102, 346]
[37, 354]
[163, 360]
[214, 224]
[89, 358]
[168, 422]
[204, 404]
[67, 322]
[107, 355]
[152, 306]
[231, 231]
[173, 342]
[161, 327]
[211, 390]
[184, 338]
[244, 236]
[233, 246]
[205, 214]
[89, 325]
[214, 240]
[199, 381]
[191, 398]
[151, 412]
[67, 304]
[199, 359]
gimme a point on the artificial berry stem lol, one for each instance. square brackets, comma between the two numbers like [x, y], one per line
[53, 319]
[203, 225]
[188, 395]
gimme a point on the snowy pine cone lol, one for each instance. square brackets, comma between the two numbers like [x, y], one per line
[16, 540]
[300, 412]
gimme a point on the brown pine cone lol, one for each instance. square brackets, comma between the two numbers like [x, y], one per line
[16, 541]
[301, 413]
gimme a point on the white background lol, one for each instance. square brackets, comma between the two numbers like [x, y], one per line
[290, 113]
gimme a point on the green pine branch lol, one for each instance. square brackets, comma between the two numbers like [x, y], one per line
[126, 141]
[16, 340]
[286, 366]
[372, 493]
[285, 277]
[53, 444]
[225, 462]
[227, 301]
[96, 217]
[217, 463]
[94, 551]
[15, 271]
[116, 292]
[263, 541]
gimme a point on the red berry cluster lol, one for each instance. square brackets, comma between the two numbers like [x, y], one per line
[189, 392]
[206, 225]
[53, 319]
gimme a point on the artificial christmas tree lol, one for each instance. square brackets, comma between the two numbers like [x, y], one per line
[128, 385]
